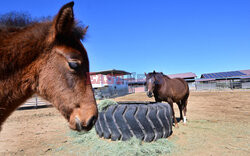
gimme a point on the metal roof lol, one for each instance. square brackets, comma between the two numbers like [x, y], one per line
[223, 74]
[204, 79]
[223, 78]
[245, 77]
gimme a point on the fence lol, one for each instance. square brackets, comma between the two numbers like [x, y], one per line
[206, 85]
[110, 92]
[35, 102]
[246, 84]
[107, 92]
[222, 84]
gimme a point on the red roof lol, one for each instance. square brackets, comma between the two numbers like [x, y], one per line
[183, 75]
[110, 72]
[247, 72]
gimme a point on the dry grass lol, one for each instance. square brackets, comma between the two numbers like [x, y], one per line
[218, 124]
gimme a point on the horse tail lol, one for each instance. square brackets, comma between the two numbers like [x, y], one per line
[187, 93]
[184, 100]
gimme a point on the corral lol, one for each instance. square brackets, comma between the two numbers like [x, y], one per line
[218, 124]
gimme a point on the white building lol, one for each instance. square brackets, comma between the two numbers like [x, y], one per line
[109, 83]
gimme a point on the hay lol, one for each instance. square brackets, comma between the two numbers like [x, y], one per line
[90, 144]
[104, 104]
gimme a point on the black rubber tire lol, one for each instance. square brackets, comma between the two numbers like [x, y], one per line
[147, 122]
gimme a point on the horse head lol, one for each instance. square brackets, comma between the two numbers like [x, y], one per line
[64, 77]
[153, 81]
[150, 83]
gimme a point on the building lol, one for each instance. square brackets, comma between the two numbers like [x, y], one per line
[138, 84]
[188, 77]
[224, 80]
[109, 83]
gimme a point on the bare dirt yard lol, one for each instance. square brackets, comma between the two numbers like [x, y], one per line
[218, 124]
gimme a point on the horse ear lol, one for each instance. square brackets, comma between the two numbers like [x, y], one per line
[145, 73]
[85, 29]
[64, 20]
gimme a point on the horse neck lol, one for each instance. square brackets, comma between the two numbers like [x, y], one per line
[19, 64]
[163, 79]
[20, 48]
[166, 77]
[158, 78]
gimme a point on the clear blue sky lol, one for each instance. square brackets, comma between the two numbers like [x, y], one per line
[172, 36]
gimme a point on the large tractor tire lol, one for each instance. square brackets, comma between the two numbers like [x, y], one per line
[147, 122]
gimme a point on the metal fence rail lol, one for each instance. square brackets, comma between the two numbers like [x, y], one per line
[222, 85]
[35, 102]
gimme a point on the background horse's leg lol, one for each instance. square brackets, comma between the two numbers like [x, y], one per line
[184, 105]
[180, 109]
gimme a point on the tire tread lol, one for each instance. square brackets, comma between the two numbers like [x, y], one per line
[147, 122]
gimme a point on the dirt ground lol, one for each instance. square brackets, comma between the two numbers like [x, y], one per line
[218, 124]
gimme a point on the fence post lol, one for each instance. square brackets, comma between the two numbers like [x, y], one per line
[36, 102]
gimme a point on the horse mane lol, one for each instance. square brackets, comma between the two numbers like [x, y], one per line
[166, 76]
[20, 29]
[16, 21]
[158, 74]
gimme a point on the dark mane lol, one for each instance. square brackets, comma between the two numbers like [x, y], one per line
[19, 29]
[158, 74]
[166, 76]
[16, 21]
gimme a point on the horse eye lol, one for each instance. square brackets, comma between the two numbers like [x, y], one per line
[73, 65]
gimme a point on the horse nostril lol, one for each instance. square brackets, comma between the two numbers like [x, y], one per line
[149, 94]
[78, 124]
[91, 121]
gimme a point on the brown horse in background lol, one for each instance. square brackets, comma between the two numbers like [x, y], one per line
[170, 90]
[47, 58]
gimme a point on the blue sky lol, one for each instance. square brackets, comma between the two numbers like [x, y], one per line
[171, 36]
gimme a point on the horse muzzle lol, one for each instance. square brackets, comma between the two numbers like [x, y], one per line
[90, 123]
[149, 94]
[82, 121]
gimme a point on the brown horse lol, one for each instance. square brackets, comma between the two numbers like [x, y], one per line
[47, 58]
[169, 90]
